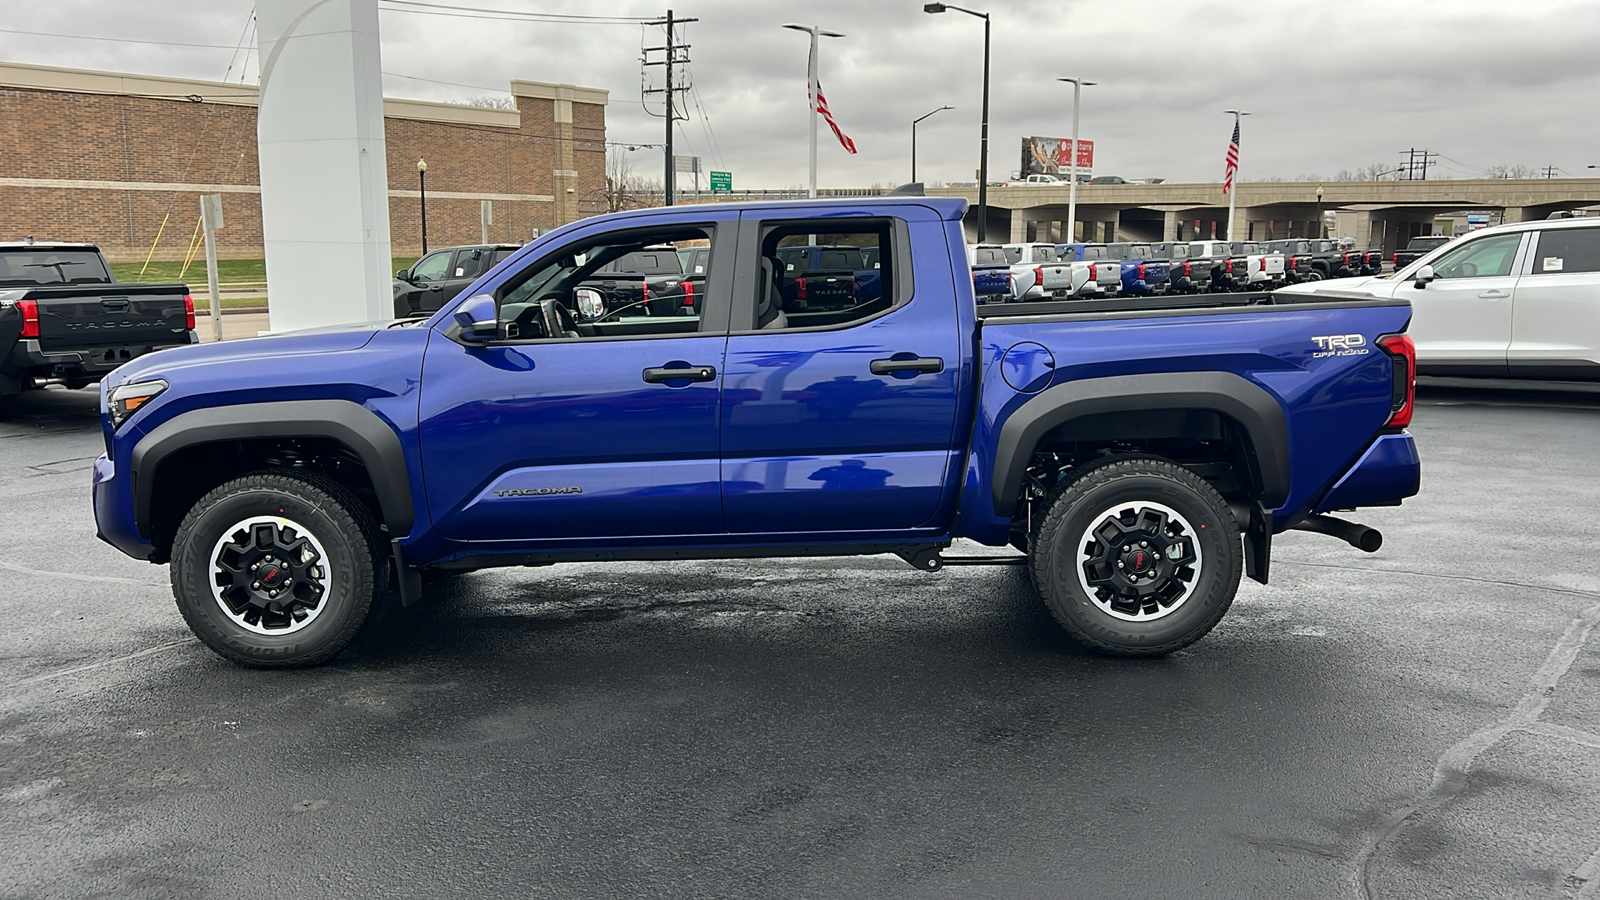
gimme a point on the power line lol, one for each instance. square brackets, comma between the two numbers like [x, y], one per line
[86, 37]
[472, 12]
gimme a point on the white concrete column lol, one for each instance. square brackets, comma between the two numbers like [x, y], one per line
[324, 171]
[1019, 227]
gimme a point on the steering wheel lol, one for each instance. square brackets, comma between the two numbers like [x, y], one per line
[558, 320]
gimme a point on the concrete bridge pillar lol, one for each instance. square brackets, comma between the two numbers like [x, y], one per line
[1019, 227]
[1169, 226]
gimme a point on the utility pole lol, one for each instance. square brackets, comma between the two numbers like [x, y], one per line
[676, 55]
[1418, 161]
[1549, 171]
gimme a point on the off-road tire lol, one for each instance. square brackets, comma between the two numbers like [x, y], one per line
[355, 565]
[1082, 500]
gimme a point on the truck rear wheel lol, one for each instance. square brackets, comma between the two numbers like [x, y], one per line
[1136, 557]
[278, 569]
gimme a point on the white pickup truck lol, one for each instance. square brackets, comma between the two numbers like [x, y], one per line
[1039, 273]
[1240, 265]
[1034, 272]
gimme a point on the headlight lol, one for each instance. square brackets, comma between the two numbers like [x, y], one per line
[125, 399]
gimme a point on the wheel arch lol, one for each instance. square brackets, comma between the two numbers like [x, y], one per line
[340, 423]
[1256, 413]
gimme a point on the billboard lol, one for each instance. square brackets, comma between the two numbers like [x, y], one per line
[1053, 156]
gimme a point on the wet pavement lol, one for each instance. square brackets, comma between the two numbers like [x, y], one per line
[1420, 722]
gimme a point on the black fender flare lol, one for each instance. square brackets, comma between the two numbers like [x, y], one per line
[344, 421]
[1258, 412]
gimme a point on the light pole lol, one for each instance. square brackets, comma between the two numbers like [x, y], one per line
[811, 90]
[1233, 192]
[914, 139]
[1320, 228]
[422, 193]
[983, 157]
[1072, 188]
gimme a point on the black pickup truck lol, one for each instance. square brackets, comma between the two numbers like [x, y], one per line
[647, 282]
[1419, 247]
[64, 319]
[442, 275]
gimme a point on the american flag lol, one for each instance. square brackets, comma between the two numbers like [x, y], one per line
[1230, 163]
[821, 106]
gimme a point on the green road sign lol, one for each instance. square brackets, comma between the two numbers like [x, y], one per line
[721, 181]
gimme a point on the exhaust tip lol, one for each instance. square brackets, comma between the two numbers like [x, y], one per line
[1369, 540]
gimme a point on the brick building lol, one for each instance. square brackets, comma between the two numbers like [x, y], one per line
[105, 157]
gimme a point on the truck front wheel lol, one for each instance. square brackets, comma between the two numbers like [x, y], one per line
[278, 569]
[1136, 557]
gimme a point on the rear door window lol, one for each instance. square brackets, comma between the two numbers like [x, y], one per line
[1567, 250]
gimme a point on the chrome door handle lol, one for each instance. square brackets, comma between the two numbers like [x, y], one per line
[1494, 295]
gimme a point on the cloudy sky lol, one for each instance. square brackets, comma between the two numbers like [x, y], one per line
[1334, 85]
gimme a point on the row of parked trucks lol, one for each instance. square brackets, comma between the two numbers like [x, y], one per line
[1045, 271]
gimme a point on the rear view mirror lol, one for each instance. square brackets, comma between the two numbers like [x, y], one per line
[478, 318]
[590, 304]
[1423, 276]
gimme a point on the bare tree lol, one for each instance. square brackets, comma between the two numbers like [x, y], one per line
[624, 188]
[491, 101]
[1511, 172]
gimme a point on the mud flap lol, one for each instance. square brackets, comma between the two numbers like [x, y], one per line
[1258, 543]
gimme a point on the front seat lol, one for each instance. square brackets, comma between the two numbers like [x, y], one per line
[769, 306]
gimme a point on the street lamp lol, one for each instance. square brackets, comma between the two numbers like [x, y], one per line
[1320, 228]
[422, 192]
[983, 158]
[1072, 189]
[1233, 193]
[914, 139]
[811, 89]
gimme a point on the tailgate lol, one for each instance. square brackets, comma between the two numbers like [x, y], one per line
[1274, 265]
[1108, 274]
[1157, 272]
[103, 315]
[1057, 278]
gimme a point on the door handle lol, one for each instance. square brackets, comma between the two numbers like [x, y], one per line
[662, 374]
[927, 364]
[1494, 295]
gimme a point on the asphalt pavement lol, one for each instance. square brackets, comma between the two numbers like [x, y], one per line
[1419, 722]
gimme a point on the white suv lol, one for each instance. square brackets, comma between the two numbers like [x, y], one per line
[1519, 300]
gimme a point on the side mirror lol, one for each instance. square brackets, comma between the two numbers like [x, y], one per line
[403, 275]
[590, 304]
[478, 318]
[1423, 276]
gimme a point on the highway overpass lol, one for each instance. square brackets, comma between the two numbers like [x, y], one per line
[1375, 213]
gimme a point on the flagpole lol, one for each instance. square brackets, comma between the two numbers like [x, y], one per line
[814, 31]
[1233, 192]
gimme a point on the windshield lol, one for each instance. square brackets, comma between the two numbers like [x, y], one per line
[28, 265]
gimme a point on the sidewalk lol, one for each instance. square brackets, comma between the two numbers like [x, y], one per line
[234, 325]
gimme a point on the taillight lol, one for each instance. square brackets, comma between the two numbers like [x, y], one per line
[30, 318]
[800, 288]
[644, 291]
[188, 311]
[1403, 355]
[1094, 272]
[1038, 276]
[1263, 264]
[1186, 270]
[1397, 259]
[688, 294]
[1141, 271]
[1227, 267]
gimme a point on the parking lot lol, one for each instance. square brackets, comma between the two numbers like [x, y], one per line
[1420, 722]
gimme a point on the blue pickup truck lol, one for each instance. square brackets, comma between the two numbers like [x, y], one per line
[1139, 453]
